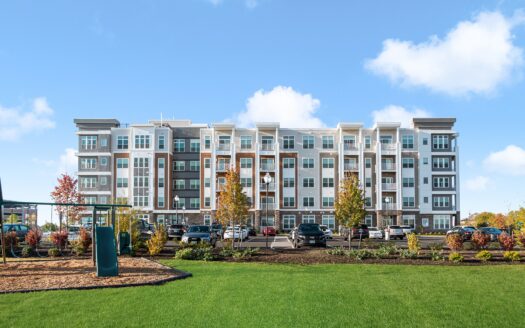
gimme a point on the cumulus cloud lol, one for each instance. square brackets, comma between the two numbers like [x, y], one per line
[510, 160]
[478, 183]
[399, 114]
[474, 57]
[15, 122]
[282, 104]
[68, 162]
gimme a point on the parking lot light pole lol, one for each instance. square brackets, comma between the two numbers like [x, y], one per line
[176, 203]
[267, 179]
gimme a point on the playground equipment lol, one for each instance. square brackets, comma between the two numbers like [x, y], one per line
[104, 245]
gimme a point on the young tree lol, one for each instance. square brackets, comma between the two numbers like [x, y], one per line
[350, 204]
[66, 191]
[483, 219]
[233, 203]
[499, 221]
[13, 218]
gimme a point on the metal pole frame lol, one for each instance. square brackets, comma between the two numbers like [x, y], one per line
[267, 185]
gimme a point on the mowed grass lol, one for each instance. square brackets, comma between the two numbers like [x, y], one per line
[264, 295]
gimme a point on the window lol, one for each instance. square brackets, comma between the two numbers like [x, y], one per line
[386, 140]
[308, 182]
[88, 142]
[103, 199]
[308, 163]
[103, 181]
[195, 184]
[267, 164]
[122, 182]
[408, 182]
[328, 201]
[161, 163]
[408, 162]
[368, 182]
[368, 220]
[104, 161]
[409, 202]
[308, 142]
[122, 163]
[221, 181]
[140, 182]
[161, 182]
[425, 160]
[288, 163]
[288, 201]
[308, 218]
[141, 141]
[180, 184]
[88, 182]
[441, 201]
[328, 163]
[180, 166]
[195, 145]
[425, 200]
[349, 142]
[409, 220]
[246, 163]
[122, 142]
[207, 163]
[179, 146]
[441, 182]
[195, 166]
[267, 221]
[288, 142]
[246, 182]
[329, 221]
[425, 141]
[90, 199]
[368, 162]
[267, 143]
[440, 142]
[425, 180]
[207, 220]
[308, 201]
[207, 142]
[195, 203]
[288, 182]
[207, 182]
[207, 201]
[246, 142]
[368, 202]
[160, 201]
[368, 142]
[162, 144]
[88, 163]
[140, 162]
[288, 222]
[441, 221]
[440, 162]
[328, 182]
[328, 142]
[224, 143]
[103, 142]
[181, 203]
[408, 142]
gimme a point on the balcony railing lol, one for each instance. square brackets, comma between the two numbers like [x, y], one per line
[271, 186]
[267, 167]
[271, 206]
[350, 147]
[267, 147]
[389, 186]
[223, 167]
[388, 166]
[389, 206]
[351, 167]
[388, 146]
[224, 147]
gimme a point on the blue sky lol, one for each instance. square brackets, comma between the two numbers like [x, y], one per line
[319, 62]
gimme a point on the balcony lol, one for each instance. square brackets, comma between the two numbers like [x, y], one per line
[388, 166]
[351, 167]
[271, 206]
[267, 147]
[388, 146]
[223, 167]
[389, 206]
[350, 147]
[271, 187]
[267, 167]
[388, 186]
[223, 147]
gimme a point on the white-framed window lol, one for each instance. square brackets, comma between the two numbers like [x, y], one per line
[142, 141]
[122, 163]
[179, 145]
[267, 221]
[207, 182]
[308, 163]
[328, 142]
[408, 141]
[308, 183]
[425, 160]
[195, 203]
[288, 163]
[141, 201]
[368, 142]
[88, 163]
[221, 182]
[160, 201]
[161, 219]
[207, 163]
[103, 199]
[288, 201]
[207, 201]
[386, 139]
[328, 182]
[409, 220]
[195, 166]
[180, 204]
[308, 201]
[441, 201]
[288, 182]
[368, 162]
[440, 162]
[368, 182]
[180, 184]
[207, 142]
[207, 219]
[246, 162]
[329, 221]
[328, 201]
[349, 142]
[267, 143]
[161, 182]
[122, 182]
[88, 142]
[162, 142]
[195, 184]
[441, 182]
[308, 218]
[442, 222]
[246, 142]
[308, 142]
[440, 142]
[141, 162]
[195, 145]
[88, 182]
[408, 182]
[246, 182]
[288, 142]
[103, 142]
[122, 142]
[140, 182]
[328, 163]
[288, 222]
[368, 201]
[90, 199]
[424, 222]
[388, 220]
[267, 164]
[409, 201]
[408, 162]
[180, 165]
[368, 220]
[161, 163]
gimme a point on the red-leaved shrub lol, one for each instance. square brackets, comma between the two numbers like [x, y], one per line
[455, 242]
[506, 242]
[520, 237]
[11, 239]
[480, 239]
[85, 238]
[59, 238]
[33, 237]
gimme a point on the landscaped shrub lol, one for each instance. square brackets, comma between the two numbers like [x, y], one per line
[11, 240]
[520, 238]
[455, 257]
[506, 241]
[199, 253]
[511, 256]
[27, 251]
[336, 251]
[53, 252]
[78, 248]
[435, 246]
[455, 241]
[33, 237]
[226, 252]
[85, 238]
[157, 241]
[436, 255]
[359, 254]
[59, 238]
[484, 256]
[469, 246]
[247, 252]
[413, 243]
[407, 254]
[385, 251]
[480, 240]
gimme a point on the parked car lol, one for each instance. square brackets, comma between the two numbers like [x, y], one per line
[252, 231]
[407, 229]
[73, 233]
[270, 231]
[469, 231]
[146, 230]
[394, 232]
[492, 232]
[464, 232]
[199, 234]
[327, 231]
[375, 233]
[176, 231]
[217, 229]
[359, 231]
[236, 234]
[310, 234]
[20, 229]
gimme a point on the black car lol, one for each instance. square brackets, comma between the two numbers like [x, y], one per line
[199, 234]
[492, 232]
[175, 231]
[465, 232]
[252, 231]
[20, 229]
[358, 231]
[310, 234]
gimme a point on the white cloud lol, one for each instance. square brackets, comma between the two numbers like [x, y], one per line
[282, 104]
[478, 183]
[510, 160]
[248, 3]
[399, 114]
[474, 57]
[68, 162]
[14, 122]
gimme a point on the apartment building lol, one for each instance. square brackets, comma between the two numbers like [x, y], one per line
[178, 168]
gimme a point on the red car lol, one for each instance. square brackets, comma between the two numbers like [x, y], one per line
[269, 231]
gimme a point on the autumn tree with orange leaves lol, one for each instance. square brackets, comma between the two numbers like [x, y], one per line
[66, 191]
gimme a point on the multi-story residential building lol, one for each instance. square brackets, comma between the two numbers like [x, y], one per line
[409, 176]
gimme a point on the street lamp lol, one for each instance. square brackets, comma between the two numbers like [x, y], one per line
[183, 214]
[267, 180]
[176, 201]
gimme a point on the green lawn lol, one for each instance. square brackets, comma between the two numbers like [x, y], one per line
[258, 295]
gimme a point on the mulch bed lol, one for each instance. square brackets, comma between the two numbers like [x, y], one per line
[81, 274]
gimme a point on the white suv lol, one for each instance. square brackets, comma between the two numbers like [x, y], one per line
[395, 231]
